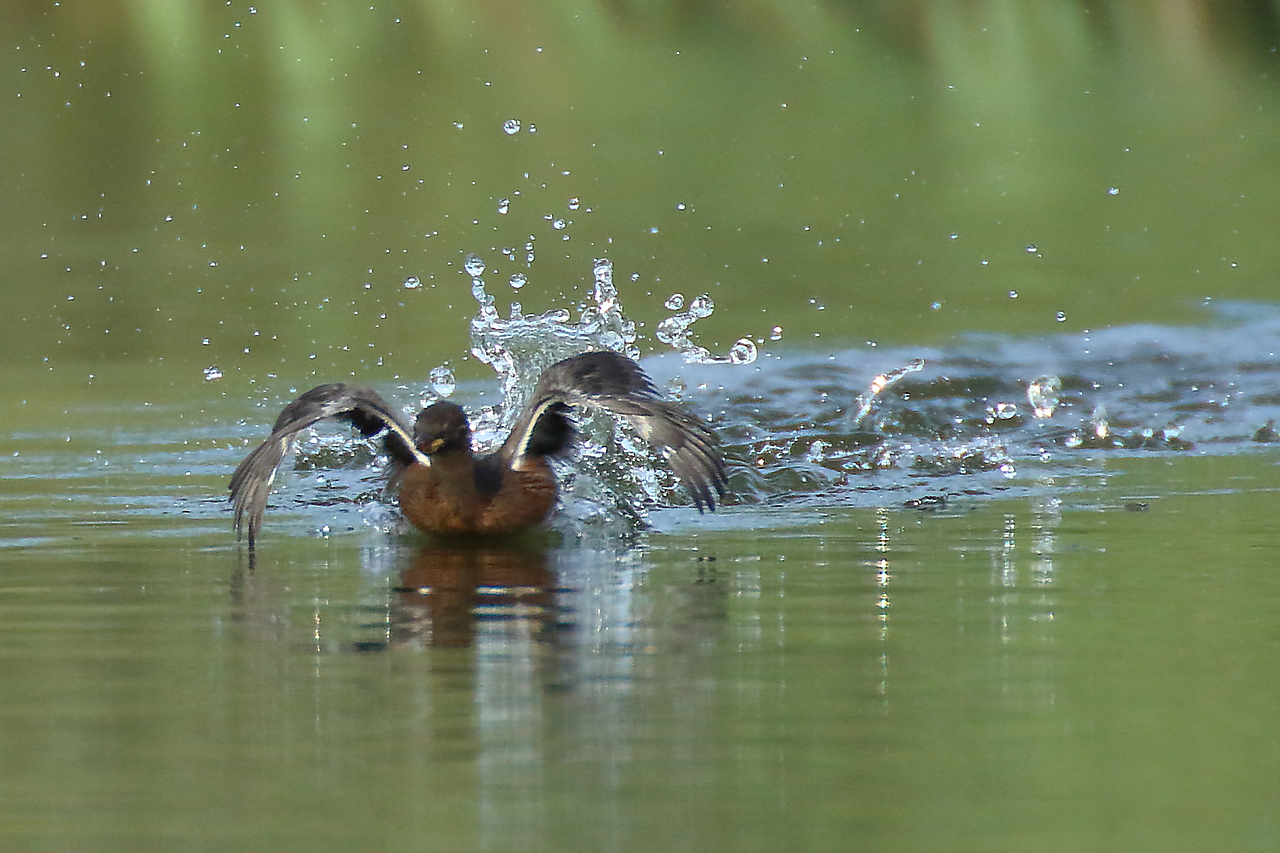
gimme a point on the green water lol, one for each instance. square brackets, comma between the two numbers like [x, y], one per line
[1083, 656]
[1052, 673]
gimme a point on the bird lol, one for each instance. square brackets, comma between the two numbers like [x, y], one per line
[447, 490]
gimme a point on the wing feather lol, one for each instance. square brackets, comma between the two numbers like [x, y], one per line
[612, 382]
[368, 412]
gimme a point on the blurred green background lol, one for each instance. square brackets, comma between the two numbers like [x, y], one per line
[250, 185]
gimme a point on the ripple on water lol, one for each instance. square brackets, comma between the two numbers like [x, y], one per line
[863, 426]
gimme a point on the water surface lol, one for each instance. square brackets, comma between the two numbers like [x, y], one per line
[1021, 598]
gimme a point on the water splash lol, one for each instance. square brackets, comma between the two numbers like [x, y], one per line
[474, 265]
[615, 474]
[442, 381]
[868, 398]
[1042, 394]
[675, 332]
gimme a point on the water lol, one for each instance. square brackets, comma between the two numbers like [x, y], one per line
[813, 674]
[997, 572]
[884, 635]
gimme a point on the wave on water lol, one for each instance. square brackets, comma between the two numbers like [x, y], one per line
[910, 426]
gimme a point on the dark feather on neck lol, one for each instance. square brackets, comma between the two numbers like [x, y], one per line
[552, 434]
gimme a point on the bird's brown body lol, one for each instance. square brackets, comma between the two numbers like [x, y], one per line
[446, 490]
[448, 499]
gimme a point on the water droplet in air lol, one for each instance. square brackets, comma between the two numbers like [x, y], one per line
[574, 203]
[776, 334]
[1061, 316]
[442, 381]
[559, 224]
[519, 280]
[1013, 294]
[934, 306]
[680, 205]
[212, 373]
[743, 352]
[205, 342]
[674, 302]
[1032, 249]
[504, 204]
[1042, 394]
[1113, 191]
[474, 265]
[412, 282]
[511, 127]
[701, 307]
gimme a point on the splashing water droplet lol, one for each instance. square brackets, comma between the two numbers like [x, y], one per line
[606, 295]
[474, 265]
[504, 205]
[442, 381]
[518, 280]
[674, 302]
[867, 399]
[511, 127]
[743, 352]
[1098, 422]
[212, 373]
[1042, 394]
[412, 282]
[701, 307]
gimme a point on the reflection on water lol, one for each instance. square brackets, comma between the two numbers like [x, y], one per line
[448, 594]
[990, 606]
[886, 673]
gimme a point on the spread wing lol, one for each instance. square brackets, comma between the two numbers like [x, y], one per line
[615, 383]
[362, 407]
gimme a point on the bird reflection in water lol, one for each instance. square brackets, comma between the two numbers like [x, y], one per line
[447, 594]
